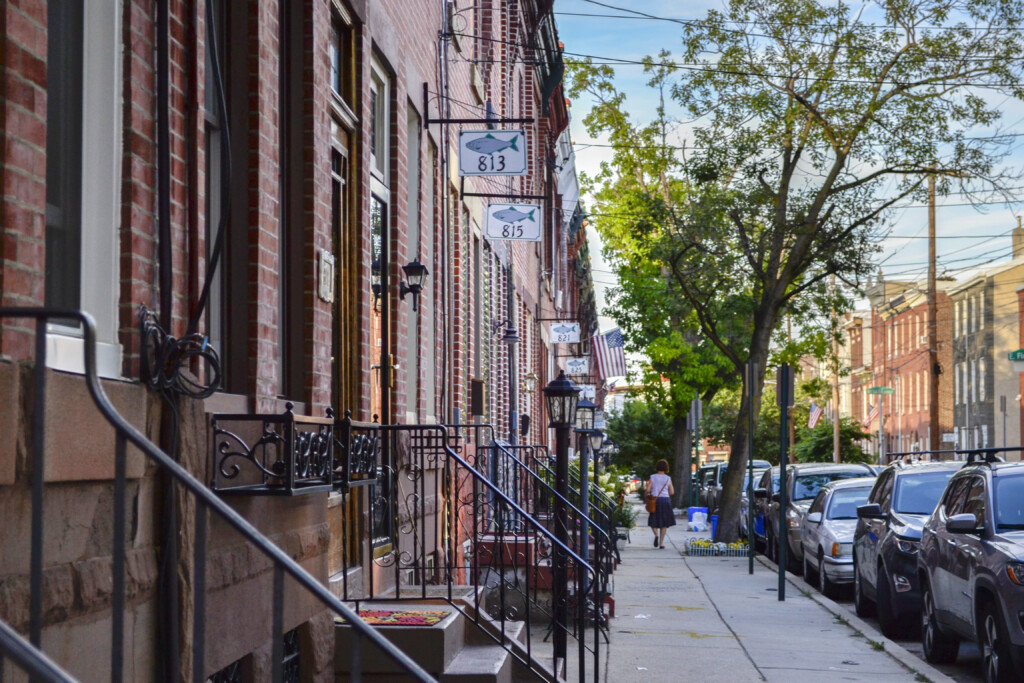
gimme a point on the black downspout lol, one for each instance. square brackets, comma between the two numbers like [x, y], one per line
[167, 626]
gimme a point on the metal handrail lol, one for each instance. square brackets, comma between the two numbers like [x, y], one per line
[597, 493]
[124, 429]
[32, 661]
[551, 490]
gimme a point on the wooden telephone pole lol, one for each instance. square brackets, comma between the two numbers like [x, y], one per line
[933, 325]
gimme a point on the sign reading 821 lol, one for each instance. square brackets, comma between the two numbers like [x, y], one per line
[492, 152]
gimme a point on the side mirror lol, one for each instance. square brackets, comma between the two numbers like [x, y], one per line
[814, 518]
[760, 494]
[871, 511]
[962, 524]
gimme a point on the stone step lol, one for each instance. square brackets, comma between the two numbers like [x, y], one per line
[479, 664]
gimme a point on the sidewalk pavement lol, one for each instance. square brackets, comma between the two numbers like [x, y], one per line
[707, 619]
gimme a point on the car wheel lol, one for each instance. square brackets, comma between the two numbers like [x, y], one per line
[825, 585]
[808, 572]
[861, 604]
[939, 647]
[995, 651]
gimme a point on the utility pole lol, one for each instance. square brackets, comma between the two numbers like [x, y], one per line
[835, 378]
[933, 326]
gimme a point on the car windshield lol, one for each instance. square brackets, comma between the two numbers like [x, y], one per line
[1009, 502]
[844, 502]
[806, 486]
[917, 494]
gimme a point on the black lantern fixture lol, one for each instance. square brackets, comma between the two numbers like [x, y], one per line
[415, 273]
[596, 437]
[585, 416]
[375, 282]
[562, 396]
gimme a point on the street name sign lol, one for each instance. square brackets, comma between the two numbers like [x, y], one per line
[881, 390]
[577, 366]
[1016, 355]
[492, 152]
[564, 333]
[513, 222]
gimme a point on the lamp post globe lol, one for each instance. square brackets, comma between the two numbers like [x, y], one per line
[585, 415]
[561, 396]
[596, 437]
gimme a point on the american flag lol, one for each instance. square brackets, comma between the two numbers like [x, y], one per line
[609, 354]
[872, 414]
[816, 413]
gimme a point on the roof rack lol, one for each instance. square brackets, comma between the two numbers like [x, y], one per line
[982, 456]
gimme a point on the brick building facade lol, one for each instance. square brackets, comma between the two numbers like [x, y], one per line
[331, 175]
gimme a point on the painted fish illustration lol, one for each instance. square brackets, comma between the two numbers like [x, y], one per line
[564, 329]
[489, 144]
[510, 215]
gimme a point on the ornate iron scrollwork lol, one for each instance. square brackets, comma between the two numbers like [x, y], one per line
[357, 446]
[293, 454]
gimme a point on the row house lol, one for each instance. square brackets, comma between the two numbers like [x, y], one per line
[901, 360]
[986, 328]
[294, 293]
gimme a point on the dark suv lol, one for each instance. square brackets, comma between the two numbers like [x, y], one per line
[712, 492]
[971, 569]
[886, 542]
[802, 483]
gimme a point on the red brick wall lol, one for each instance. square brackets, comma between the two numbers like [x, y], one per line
[22, 166]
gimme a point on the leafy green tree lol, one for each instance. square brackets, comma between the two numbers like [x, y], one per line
[811, 121]
[643, 434]
[815, 445]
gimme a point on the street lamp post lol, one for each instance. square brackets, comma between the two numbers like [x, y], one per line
[584, 427]
[561, 396]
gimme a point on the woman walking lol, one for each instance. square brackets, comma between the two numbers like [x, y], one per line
[660, 486]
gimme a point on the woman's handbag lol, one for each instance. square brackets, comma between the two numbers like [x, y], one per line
[652, 501]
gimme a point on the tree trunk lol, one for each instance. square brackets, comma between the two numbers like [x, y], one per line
[681, 462]
[729, 508]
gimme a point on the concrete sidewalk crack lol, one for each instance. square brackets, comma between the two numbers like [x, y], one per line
[735, 635]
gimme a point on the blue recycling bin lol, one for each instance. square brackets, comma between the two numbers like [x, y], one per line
[714, 525]
[691, 510]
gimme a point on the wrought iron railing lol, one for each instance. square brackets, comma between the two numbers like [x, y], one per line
[459, 536]
[537, 496]
[206, 502]
[284, 454]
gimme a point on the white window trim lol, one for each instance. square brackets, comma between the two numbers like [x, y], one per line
[381, 81]
[101, 188]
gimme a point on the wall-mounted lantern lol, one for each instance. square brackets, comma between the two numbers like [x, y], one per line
[415, 273]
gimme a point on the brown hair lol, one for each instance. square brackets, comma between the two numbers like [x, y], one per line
[662, 466]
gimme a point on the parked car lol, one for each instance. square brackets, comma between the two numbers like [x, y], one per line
[703, 476]
[886, 542]
[971, 569]
[745, 503]
[826, 535]
[716, 479]
[803, 481]
[764, 488]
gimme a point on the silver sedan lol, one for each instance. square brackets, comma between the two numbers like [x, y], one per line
[826, 535]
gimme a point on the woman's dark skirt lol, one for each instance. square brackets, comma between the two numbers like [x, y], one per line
[662, 515]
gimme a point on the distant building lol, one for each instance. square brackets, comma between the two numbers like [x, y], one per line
[900, 360]
[986, 327]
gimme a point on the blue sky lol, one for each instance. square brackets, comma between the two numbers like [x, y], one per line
[965, 233]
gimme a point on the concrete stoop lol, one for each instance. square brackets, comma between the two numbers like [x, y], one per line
[455, 650]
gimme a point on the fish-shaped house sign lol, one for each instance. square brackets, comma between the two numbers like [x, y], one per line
[492, 152]
[564, 333]
[513, 222]
[577, 366]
